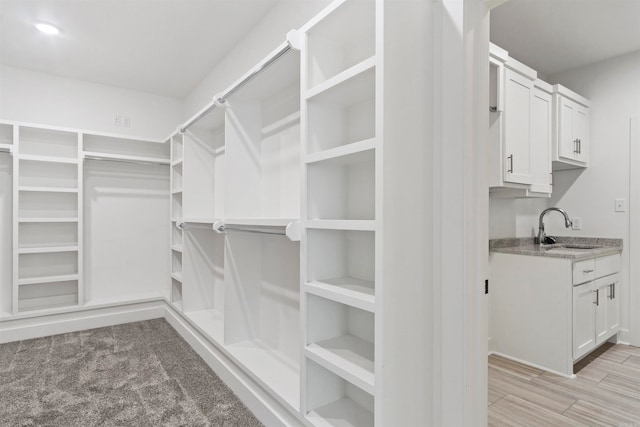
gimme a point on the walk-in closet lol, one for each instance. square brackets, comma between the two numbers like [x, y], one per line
[244, 219]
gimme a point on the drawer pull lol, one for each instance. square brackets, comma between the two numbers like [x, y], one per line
[597, 301]
[587, 271]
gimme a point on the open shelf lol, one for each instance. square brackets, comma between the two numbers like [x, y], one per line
[108, 147]
[176, 205]
[270, 368]
[177, 276]
[48, 159]
[354, 225]
[48, 189]
[45, 176]
[39, 265]
[6, 148]
[47, 219]
[332, 401]
[346, 290]
[47, 279]
[176, 248]
[343, 151]
[210, 322]
[176, 290]
[48, 143]
[342, 188]
[93, 155]
[6, 135]
[341, 339]
[47, 249]
[343, 77]
[48, 295]
[177, 145]
[47, 235]
[47, 205]
[343, 114]
[341, 40]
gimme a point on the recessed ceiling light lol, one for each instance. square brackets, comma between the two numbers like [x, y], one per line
[47, 28]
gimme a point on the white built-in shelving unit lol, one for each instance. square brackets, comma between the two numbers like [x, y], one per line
[55, 199]
[340, 226]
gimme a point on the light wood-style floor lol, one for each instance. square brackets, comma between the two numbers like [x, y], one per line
[606, 391]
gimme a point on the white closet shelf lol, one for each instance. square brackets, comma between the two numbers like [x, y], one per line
[49, 219]
[6, 147]
[177, 191]
[342, 152]
[110, 156]
[340, 78]
[355, 89]
[48, 279]
[342, 224]
[177, 162]
[44, 305]
[177, 276]
[47, 249]
[48, 189]
[347, 356]
[47, 159]
[270, 368]
[209, 322]
[176, 248]
[343, 412]
[354, 292]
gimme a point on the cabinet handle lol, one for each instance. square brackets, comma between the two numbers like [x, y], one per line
[587, 271]
[613, 288]
[597, 291]
[510, 159]
[611, 291]
[575, 146]
[579, 146]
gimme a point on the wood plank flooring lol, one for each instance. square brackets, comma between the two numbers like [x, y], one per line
[606, 391]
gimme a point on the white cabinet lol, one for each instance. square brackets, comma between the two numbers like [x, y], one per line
[520, 129]
[595, 314]
[551, 311]
[571, 129]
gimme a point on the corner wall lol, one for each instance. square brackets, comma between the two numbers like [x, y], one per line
[41, 98]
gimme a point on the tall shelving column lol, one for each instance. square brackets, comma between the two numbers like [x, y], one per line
[340, 278]
[47, 219]
[6, 212]
[176, 185]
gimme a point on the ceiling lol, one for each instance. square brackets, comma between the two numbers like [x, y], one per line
[164, 47]
[552, 36]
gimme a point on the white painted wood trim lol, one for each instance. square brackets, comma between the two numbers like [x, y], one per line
[633, 334]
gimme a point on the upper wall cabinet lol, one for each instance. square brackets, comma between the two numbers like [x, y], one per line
[571, 129]
[520, 129]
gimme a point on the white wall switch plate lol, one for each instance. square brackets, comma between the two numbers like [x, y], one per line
[576, 223]
[621, 205]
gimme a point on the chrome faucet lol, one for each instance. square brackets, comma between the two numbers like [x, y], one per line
[542, 237]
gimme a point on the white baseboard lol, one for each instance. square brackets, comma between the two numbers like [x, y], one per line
[259, 402]
[24, 328]
[524, 362]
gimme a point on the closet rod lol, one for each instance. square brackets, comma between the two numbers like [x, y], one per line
[223, 98]
[187, 225]
[250, 229]
[139, 162]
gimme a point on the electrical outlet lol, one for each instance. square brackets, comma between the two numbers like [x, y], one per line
[121, 121]
[576, 223]
[621, 205]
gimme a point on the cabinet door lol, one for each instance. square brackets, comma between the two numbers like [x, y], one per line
[583, 319]
[602, 295]
[517, 122]
[567, 145]
[613, 306]
[541, 141]
[581, 132]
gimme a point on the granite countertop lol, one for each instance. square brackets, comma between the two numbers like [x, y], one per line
[526, 246]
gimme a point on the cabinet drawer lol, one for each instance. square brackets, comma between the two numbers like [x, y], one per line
[584, 271]
[607, 265]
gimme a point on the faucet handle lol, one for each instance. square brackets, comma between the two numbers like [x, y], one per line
[548, 240]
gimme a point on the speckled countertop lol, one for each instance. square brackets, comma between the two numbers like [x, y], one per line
[526, 246]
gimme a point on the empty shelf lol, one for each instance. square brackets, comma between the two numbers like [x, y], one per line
[48, 219]
[92, 155]
[341, 413]
[49, 189]
[177, 276]
[48, 159]
[346, 290]
[47, 249]
[342, 224]
[48, 279]
[176, 248]
[347, 356]
[342, 151]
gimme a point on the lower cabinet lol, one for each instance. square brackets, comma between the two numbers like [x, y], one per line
[595, 314]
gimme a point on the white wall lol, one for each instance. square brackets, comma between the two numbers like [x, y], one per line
[41, 98]
[270, 32]
[613, 87]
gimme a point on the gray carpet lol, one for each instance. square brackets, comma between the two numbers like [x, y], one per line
[138, 374]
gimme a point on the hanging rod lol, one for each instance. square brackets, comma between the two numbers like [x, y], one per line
[291, 230]
[220, 100]
[186, 225]
[139, 162]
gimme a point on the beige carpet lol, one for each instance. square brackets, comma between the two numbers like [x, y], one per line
[138, 374]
